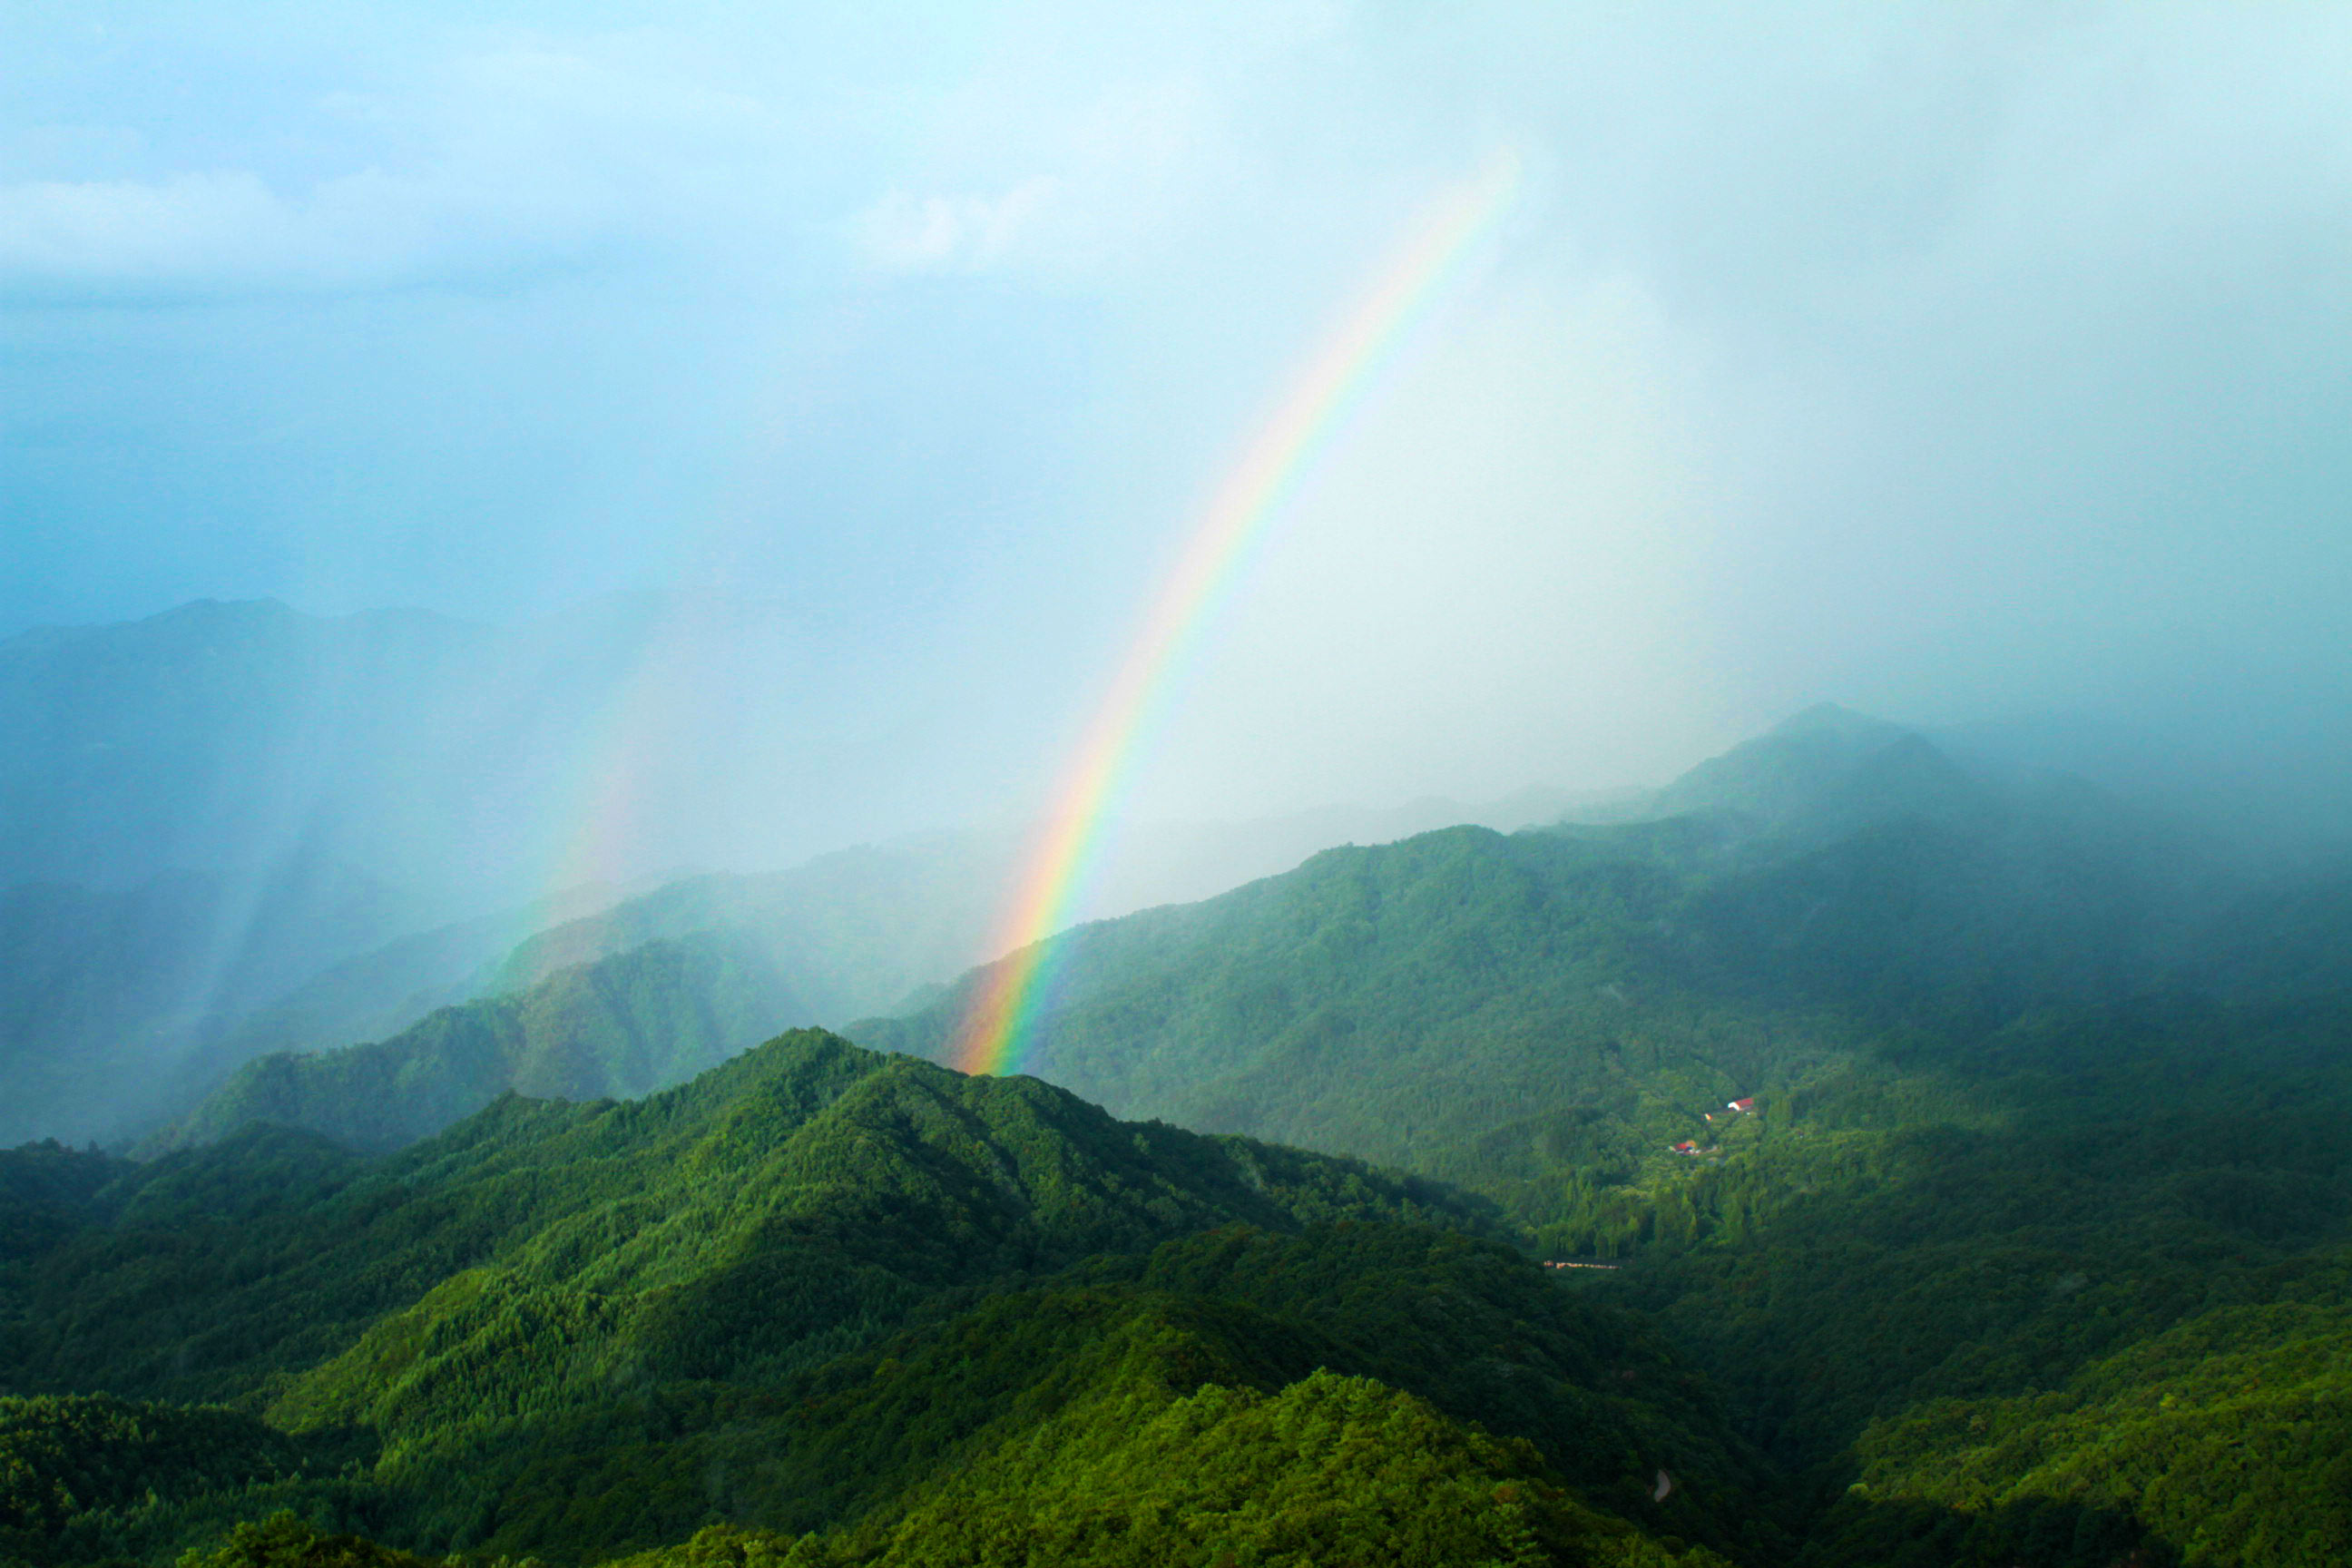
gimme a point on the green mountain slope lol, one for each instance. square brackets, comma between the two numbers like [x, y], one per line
[2016, 1108]
[971, 1415]
[379, 993]
[1327, 1470]
[867, 1177]
[1592, 988]
[1930, 1228]
[2227, 1439]
[87, 1476]
[817, 1290]
[2027, 1117]
[627, 1024]
[1263, 1007]
[838, 937]
[1824, 772]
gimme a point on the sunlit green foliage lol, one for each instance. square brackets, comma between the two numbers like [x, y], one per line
[1329, 1472]
[285, 1540]
[807, 1170]
[2020, 1105]
[794, 1294]
[2031, 1251]
[2225, 1440]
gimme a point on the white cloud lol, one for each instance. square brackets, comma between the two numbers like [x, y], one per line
[229, 232]
[904, 233]
[505, 161]
[1832, 337]
[1107, 176]
[510, 153]
[118, 230]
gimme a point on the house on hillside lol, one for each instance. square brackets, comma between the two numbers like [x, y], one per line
[1747, 1104]
[1686, 1147]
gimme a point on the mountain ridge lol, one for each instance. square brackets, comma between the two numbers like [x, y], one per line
[522, 1335]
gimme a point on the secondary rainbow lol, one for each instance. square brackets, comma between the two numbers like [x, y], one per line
[996, 1023]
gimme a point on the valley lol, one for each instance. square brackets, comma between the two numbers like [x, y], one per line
[2018, 1226]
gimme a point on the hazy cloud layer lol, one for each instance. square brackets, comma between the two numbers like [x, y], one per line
[1957, 361]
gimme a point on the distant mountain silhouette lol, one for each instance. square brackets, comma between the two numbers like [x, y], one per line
[238, 829]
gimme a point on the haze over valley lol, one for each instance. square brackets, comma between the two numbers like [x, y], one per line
[1259, 786]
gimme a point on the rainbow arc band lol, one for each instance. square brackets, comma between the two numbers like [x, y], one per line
[996, 1025]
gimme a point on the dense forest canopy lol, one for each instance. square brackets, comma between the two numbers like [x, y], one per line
[1950, 1163]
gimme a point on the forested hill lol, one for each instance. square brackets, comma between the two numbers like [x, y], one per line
[1833, 884]
[2027, 1242]
[628, 1024]
[2030, 1099]
[821, 1293]
[603, 997]
[807, 1148]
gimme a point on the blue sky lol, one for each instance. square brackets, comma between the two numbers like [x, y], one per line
[1952, 360]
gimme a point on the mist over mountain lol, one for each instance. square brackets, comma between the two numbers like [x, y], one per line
[1834, 867]
[1299, 785]
[1834, 862]
[467, 764]
[106, 992]
[1889, 1090]
[448, 1027]
[209, 807]
[1895, 1088]
[244, 830]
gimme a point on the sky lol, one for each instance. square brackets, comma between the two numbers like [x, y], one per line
[1960, 363]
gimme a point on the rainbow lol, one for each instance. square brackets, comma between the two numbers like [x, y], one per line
[995, 1027]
